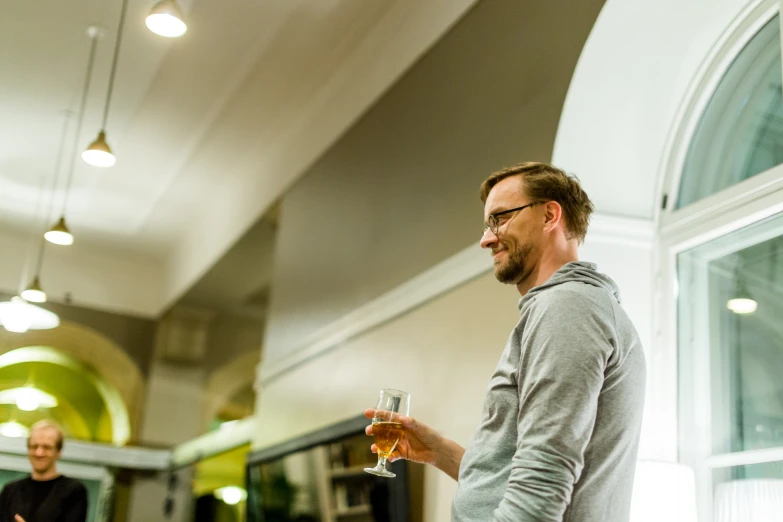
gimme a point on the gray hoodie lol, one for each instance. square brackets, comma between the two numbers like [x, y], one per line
[560, 430]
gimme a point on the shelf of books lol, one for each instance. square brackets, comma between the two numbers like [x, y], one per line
[326, 482]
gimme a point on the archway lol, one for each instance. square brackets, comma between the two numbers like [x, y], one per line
[86, 403]
[231, 381]
[108, 367]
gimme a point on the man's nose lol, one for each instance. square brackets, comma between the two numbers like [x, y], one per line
[488, 239]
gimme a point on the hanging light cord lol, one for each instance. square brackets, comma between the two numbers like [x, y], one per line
[93, 32]
[114, 63]
[40, 258]
[60, 152]
[48, 217]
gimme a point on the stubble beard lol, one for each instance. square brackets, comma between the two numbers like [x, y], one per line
[513, 269]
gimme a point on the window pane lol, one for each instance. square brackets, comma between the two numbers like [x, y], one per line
[731, 350]
[740, 133]
[749, 493]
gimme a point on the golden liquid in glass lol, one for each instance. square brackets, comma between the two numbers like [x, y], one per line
[386, 434]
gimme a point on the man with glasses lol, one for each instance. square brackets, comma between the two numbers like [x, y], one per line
[44, 496]
[559, 435]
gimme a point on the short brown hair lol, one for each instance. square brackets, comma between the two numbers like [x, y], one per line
[545, 182]
[52, 425]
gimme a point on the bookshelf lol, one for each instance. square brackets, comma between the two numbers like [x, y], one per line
[335, 486]
[348, 491]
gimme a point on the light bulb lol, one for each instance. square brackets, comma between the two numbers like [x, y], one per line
[59, 238]
[742, 306]
[13, 429]
[27, 402]
[34, 295]
[166, 25]
[165, 19]
[231, 495]
[28, 398]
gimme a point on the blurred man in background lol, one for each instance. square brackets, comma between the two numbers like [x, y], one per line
[45, 495]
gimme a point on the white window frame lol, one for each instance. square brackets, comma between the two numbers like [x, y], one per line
[730, 210]
[740, 31]
[733, 211]
[734, 208]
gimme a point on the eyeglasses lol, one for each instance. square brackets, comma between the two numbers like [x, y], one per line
[492, 222]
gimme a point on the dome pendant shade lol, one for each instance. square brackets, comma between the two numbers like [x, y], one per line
[99, 154]
[59, 234]
[34, 293]
[14, 429]
[28, 398]
[166, 19]
[17, 315]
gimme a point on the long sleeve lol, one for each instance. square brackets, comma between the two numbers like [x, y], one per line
[564, 352]
[75, 508]
[4, 506]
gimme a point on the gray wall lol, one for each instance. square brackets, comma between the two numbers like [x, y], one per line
[231, 336]
[398, 193]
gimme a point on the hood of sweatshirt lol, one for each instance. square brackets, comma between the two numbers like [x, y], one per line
[577, 271]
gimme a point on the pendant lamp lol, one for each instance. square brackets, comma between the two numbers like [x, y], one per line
[165, 19]
[99, 154]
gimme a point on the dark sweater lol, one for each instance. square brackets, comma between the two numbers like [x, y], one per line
[62, 499]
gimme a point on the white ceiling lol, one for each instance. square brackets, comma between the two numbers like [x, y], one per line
[209, 129]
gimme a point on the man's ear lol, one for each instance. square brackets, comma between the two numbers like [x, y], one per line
[553, 214]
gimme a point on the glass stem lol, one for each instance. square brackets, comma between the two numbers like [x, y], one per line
[381, 463]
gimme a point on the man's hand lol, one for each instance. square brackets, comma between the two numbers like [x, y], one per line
[422, 444]
[18, 518]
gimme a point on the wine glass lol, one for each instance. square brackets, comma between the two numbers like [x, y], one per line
[386, 427]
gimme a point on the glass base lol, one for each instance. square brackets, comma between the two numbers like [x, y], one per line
[381, 472]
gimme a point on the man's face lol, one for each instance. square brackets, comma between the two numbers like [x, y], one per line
[514, 246]
[42, 449]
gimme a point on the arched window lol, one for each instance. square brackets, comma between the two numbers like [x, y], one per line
[722, 306]
[740, 133]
